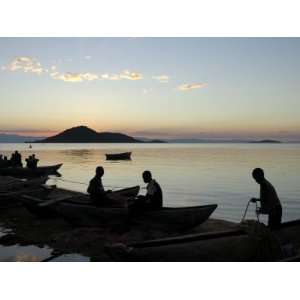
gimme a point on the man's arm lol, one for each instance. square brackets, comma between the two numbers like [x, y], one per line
[253, 200]
[260, 196]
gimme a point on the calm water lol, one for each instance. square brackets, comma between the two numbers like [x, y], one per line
[190, 174]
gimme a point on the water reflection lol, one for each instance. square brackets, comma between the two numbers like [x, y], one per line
[71, 258]
[32, 253]
[81, 153]
[190, 174]
[19, 253]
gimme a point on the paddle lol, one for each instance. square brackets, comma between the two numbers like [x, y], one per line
[53, 201]
[48, 202]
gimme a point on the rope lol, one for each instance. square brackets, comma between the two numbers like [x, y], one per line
[85, 184]
[245, 213]
[256, 212]
[70, 181]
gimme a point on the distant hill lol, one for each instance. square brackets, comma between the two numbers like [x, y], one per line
[147, 140]
[220, 141]
[204, 141]
[266, 142]
[14, 138]
[83, 134]
[156, 141]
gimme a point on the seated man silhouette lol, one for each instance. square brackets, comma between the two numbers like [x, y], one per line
[34, 161]
[96, 190]
[18, 159]
[13, 160]
[29, 162]
[153, 199]
[270, 203]
[6, 162]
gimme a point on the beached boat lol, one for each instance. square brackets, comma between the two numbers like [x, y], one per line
[254, 242]
[77, 209]
[119, 156]
[27, 172]
[174, 219]
[11, 188]
[48, 201]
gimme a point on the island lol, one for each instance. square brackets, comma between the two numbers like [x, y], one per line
[84, 134]
[266, 142]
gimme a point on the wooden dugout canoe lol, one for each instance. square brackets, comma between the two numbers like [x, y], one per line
[27, 172]
[119, 156]
[77, 209]
[11, 188]
[48, 203]
[255, 244]
[173, 219]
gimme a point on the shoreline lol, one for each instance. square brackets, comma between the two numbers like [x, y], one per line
[24, 229]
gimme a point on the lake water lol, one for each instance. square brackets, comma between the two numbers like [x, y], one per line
[189, 174]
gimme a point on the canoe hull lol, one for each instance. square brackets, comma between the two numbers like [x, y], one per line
[11, 194]
[77, 209]
[76, 199]
[26, 172]
[235, 246]
[119, 156]
[91, 216]
[181, 218]
[168, 219]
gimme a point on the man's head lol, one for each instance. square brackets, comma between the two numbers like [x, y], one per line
[258, 175]
[99, 171]
[147, 176]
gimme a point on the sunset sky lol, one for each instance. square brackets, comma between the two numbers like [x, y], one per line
[152, 87]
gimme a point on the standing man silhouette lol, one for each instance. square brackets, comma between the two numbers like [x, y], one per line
[270, 203]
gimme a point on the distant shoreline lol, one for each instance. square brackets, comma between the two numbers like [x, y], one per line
[168, 142]
[85, 135]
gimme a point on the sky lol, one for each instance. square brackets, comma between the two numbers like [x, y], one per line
[224, 88]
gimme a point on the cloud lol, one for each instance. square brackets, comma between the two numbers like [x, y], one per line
[69, 77]
[89, 76]
[124, 75]
[25, 64]
[111, 77]
[87, 57]
[187, 87]
[79, 77]
[30, 65]
[162, 78]
[74, 77]
[131, 75]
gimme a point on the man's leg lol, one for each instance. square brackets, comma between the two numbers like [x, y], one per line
[137, 206]
[275, 217]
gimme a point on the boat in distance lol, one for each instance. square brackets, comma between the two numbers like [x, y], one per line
[27, 172]
[118, 156]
